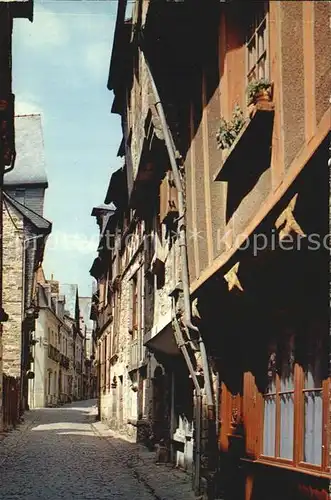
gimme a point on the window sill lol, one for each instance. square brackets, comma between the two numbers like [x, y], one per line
[278, 465]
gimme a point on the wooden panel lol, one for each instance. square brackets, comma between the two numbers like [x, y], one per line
[205, 139]
[190, 214]
[200, 182]
[236, 50]
[251, 421]
[224, 412]
[298, 164]
[223, 68]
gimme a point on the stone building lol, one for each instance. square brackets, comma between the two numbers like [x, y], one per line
[144, 384]
[25, 232]
[53, 349]
[72, 320]
[227, 128]
[149, 234]
[89, 382]
[8, 12]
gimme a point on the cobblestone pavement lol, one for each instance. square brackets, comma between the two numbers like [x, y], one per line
[59, 453]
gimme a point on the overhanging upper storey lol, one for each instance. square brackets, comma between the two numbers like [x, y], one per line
[19, 8]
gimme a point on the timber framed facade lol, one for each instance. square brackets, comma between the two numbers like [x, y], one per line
[247, 117]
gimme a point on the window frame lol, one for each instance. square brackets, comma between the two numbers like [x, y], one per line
[135, 306]
[253, 34]
[297, 462]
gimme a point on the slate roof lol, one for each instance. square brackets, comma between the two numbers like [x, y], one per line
[30, 161]
[39, 222]
[70, 292]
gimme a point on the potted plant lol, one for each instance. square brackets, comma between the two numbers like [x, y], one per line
[228, 131]
[259, 90]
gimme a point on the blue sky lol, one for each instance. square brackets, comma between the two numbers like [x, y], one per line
[60, 68]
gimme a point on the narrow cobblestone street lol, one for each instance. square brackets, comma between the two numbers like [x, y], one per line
[59, 454]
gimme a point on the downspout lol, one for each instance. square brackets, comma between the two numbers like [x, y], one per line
[183, 347]
[183, 245]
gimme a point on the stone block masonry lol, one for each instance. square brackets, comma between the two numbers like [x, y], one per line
[12, 292]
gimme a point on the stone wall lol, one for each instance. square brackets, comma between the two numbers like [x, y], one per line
[12, 291]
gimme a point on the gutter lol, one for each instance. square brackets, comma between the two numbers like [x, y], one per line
[183, 245]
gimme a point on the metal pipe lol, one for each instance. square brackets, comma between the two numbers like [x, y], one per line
[183, 242]
[182, 346]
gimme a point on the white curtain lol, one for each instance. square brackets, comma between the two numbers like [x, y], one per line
[269, 426]
[287, 409]
[286, 425]
[313, 416]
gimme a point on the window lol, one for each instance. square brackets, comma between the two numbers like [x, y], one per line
[135, 305]
[257, 43]
[295, 398]
[279, 401]
[49, 383]
[116, 323]
[313, 405]
[286, 399]
[269, 438]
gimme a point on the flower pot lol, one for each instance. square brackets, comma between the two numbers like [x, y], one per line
[262, 96]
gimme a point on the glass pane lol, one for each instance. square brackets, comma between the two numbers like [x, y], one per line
[261, 69]
[260, 36]
[286, 425]
[252, 75]
[251, 54]
[313, 428]
[269, 426]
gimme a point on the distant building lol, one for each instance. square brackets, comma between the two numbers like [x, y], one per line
[89, 373]
[72, 318]
[25, 232]
[53, 349]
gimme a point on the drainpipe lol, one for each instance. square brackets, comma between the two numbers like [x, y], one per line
[183, 245]
[185, 275]
[183, 347]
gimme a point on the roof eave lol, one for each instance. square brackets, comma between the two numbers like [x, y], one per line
[20, 9]
[120, 19]
[43, 184]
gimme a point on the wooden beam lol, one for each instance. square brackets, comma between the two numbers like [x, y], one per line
[194, 196]
[207, 171]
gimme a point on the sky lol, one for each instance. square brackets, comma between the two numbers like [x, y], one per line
[60, 69]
